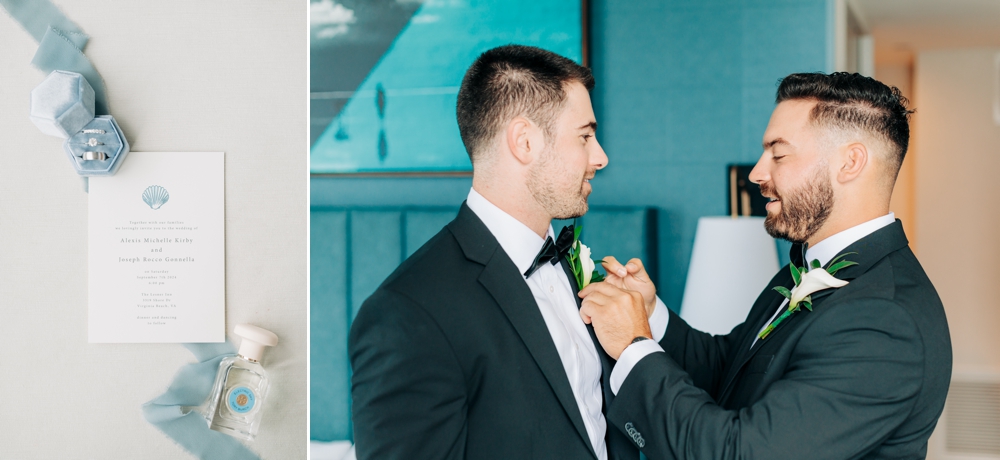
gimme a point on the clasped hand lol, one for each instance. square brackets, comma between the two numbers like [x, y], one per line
[620, 306]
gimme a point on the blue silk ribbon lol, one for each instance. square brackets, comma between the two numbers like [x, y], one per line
[60, 43]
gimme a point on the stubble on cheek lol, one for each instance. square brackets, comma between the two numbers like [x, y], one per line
[803, 211]
[562, 196]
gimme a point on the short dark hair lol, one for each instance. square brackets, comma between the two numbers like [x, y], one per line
[854, 101]
[511, 81]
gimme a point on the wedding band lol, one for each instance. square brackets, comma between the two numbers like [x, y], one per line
[93, 131]
[95, 156]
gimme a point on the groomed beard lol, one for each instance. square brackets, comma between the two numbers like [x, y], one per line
[803, 211]
[562, 197]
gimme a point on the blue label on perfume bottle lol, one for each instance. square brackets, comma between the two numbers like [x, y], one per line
[242, 400]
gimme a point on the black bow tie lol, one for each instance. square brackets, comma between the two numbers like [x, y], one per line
[553, 252]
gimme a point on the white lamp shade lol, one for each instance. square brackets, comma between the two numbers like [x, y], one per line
[732, 262]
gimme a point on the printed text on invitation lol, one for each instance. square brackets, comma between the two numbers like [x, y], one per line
[157, 250]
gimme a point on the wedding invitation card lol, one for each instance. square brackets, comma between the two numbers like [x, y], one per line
[157, 250]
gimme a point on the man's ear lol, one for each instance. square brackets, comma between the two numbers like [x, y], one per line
[521, 141]
[854, 159]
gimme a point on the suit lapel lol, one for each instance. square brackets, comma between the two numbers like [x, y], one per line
[606, 361]
[771, 300]
[777, 336]
[506, 285]
[749, 346]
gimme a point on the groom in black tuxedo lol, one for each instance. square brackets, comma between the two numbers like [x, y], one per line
[474, 347]
[861, 371]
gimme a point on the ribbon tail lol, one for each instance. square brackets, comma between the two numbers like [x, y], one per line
[191, 433]
[36, 16]
[57, 51]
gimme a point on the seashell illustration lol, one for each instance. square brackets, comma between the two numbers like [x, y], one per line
[155, 196]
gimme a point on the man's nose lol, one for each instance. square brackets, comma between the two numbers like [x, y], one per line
[598, 158]
[759, 172]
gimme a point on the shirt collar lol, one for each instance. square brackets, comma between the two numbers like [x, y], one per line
[827, 249]
[519, 242]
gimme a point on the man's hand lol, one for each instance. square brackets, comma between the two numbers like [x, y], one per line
[618, 316]
[631, 277]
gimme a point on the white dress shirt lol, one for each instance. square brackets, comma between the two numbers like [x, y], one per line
[824, 251]
[556, 301]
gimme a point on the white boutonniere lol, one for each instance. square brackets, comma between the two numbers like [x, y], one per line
[809, 279]
[583, 267]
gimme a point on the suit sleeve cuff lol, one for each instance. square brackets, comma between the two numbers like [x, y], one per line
[659, 320]
[629, 358]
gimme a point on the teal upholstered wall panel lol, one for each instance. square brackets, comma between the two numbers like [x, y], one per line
[376, 250]
[421, 225]
[330, 370]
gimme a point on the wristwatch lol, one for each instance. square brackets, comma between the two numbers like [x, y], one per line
[639, 339]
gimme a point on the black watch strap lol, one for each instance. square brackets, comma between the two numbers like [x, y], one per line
[639, 339]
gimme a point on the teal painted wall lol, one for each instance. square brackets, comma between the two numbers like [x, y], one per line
[684, 87]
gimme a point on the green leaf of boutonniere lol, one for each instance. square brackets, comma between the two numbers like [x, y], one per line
[833, 269]
[796, 276]
[816, 264]
[836, 264]
[835, 259]
[783, 291]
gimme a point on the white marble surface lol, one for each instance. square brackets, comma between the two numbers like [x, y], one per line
[184, 75]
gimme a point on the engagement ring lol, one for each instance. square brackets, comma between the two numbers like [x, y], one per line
[92, 142]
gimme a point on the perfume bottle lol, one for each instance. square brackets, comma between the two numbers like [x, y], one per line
[240, 386]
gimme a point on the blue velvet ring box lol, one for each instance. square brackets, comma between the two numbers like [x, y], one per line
[62, 103]
[112, 143]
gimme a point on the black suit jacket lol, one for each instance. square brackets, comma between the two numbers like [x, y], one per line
[452, 360]
[863, 375]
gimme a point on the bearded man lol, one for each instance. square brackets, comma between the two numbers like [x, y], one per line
[474, 347]
[846, 353]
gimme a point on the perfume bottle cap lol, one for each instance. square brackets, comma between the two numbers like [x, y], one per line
[254, 340]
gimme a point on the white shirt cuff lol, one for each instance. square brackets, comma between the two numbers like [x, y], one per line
[629, 358]
[659, 320]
